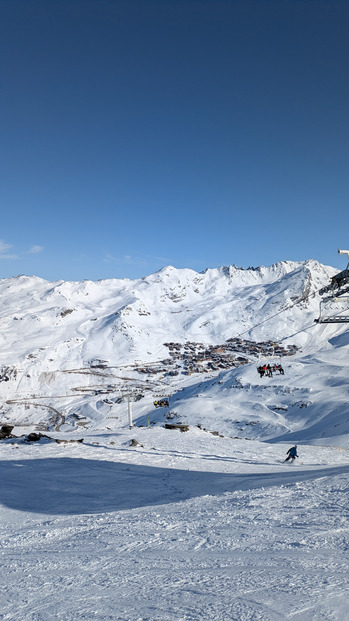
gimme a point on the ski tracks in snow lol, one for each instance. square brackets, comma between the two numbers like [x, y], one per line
[262, 542]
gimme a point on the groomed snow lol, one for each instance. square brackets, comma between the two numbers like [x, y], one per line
[183, 526]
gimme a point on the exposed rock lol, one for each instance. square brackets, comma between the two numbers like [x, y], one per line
[135, 442]
[35, 437]
[179, 426]
[67, 441]
[5, 432]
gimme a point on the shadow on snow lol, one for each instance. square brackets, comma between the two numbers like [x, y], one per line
[68, 486]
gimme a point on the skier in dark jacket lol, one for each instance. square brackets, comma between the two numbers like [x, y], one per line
[292, 453]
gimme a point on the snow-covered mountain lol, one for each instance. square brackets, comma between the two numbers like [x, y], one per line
[69, 348]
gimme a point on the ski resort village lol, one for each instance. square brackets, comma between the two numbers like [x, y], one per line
[144, 431]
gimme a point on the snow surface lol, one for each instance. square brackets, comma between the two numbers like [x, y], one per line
[184, 526]
[205, 524]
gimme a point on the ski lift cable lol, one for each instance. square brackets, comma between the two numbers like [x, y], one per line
[302, 299]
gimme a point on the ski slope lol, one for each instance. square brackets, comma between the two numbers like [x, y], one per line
[183, 526]
[153, 524]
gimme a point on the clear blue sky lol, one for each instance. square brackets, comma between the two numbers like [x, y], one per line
[198, 133]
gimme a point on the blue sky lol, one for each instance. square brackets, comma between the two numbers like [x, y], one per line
[136, 134]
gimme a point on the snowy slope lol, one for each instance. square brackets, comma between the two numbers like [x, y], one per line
[120, 318]
[55, 335]
[155, 524]
[182, 527]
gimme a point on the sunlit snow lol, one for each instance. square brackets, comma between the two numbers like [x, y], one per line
[155, 524]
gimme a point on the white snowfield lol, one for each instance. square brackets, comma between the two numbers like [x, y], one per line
[156, 524]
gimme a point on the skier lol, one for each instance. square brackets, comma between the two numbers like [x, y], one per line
[292, 453]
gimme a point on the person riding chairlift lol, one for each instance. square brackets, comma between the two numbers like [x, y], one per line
[268, 370]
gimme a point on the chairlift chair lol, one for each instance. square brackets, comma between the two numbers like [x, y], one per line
[334, 310]
[270, 358]
[162, 400]
[162, 403]
[340, 279]
[274, 361]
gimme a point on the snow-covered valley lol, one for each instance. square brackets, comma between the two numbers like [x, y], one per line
[157, 524]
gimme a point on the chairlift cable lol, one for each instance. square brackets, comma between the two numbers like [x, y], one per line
[302, 299]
